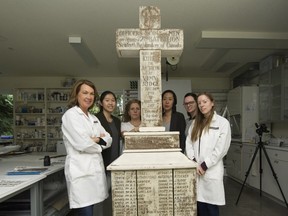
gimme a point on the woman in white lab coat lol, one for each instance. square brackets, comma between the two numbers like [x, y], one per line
[84, 138]
[207, 143]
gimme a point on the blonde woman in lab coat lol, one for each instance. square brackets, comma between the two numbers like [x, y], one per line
[207, 143]
[84, 139]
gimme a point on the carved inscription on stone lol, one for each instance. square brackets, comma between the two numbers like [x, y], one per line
[124, 193]
[170, 192]
[150, 83]
[184, 192]
[155, 192]
[137, 39]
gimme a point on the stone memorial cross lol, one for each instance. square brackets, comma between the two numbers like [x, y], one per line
[150, 43]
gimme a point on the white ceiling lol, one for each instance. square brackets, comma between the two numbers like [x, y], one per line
[220, 36]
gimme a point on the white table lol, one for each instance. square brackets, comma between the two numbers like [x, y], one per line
[11, 185]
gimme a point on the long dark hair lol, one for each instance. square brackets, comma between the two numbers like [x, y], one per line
[103, 95]
[174, 100]
[73, 100]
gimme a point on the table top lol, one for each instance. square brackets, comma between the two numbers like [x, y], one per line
[13, 184]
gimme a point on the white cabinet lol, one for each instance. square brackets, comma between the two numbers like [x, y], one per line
[233, 161]
[279, 162]
[37, 117]
[239, 159]
[242, 103]
[248, 152]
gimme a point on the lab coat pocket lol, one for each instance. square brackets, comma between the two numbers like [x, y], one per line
[81, 166]
[215, 172]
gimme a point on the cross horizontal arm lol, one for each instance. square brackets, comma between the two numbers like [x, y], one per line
[130, 41]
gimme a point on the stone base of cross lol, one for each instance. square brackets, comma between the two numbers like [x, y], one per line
[150, 43]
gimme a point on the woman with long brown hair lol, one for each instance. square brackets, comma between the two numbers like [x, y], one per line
[207, 143]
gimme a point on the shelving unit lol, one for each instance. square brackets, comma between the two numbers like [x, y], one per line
[37, 117]
[56, 105]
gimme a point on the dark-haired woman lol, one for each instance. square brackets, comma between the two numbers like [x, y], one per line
[112, 125]
[207, 143]
[84, 138]
[173, 120]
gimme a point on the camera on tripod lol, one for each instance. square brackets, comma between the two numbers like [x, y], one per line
[262, 128]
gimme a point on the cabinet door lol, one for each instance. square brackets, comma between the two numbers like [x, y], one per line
[279, 162]
[253, 178]
[233, 162]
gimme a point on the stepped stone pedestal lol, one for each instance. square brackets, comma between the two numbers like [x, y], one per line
[152, 177]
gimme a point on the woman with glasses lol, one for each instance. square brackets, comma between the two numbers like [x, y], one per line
[190, 105]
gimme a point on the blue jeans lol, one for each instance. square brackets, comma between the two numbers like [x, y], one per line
[85, 211]
[206, 209]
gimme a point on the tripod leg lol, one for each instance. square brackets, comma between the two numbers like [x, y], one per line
[274, 174]
[247, 173]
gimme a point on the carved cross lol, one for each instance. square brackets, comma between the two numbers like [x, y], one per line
[150, 43]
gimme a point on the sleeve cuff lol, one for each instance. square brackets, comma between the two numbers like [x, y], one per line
[102, 142]
[203, 166]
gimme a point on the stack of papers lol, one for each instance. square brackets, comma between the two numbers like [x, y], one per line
[24, 170]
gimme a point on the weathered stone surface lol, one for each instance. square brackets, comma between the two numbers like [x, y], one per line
[150, 43]
[149, 140]
[155, 189]
[152, 177]
[151, 88]
[130, 41]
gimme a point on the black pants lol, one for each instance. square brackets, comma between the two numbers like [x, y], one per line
[206, 209]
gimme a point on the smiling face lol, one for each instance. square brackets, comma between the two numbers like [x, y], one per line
[85, 97]
[205, 104]
[190, 104]
[109, 103]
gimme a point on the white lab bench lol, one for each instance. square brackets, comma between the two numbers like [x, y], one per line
[12, 185]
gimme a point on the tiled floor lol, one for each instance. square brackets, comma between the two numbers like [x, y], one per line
[250, 203]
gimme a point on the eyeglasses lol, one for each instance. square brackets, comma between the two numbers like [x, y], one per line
[190, 103]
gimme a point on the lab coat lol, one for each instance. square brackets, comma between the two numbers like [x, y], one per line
[211, 148]
[84, 168]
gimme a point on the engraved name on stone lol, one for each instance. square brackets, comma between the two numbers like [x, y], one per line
[155, 192]
[184, 192]
[164, 39]
[124, 193]
[150, 78]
